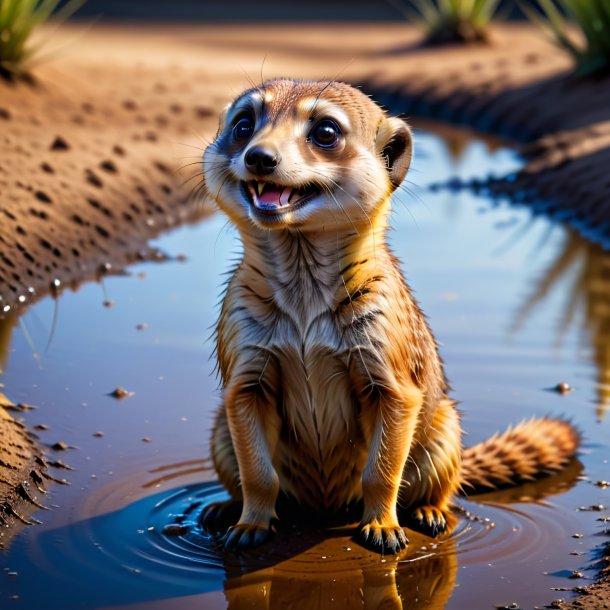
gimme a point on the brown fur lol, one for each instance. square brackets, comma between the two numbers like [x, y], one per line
[334, 392]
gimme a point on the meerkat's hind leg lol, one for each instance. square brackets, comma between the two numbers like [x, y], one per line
[250, 400]
[217, 517]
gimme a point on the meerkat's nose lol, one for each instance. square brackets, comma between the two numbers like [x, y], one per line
[261, 160]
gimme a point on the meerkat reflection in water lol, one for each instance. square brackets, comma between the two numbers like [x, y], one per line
[333, 390]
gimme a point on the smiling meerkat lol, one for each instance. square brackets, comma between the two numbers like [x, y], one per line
[334, 394]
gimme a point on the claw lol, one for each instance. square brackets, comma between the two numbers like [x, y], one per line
[244, 536]
[382, 539]
[429, 520]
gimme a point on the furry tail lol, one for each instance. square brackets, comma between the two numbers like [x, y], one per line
[522, 453]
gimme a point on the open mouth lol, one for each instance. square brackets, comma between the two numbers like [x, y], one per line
[271, 198]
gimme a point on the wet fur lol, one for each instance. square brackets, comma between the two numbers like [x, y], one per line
[334, 393]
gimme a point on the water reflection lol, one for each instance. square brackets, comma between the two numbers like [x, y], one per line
[7, 324]
[322, 577]
[585, 268]
[458, 140]
[539, 490]
[425, 582]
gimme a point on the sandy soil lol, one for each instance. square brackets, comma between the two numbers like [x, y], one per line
[90, 155]
[24, 482]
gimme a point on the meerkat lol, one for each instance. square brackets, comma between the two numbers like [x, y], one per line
[334, 394]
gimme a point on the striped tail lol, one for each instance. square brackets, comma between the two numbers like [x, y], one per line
[531, 449]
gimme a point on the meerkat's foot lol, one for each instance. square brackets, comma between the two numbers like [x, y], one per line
[381, 538]
[429, 520]
[245, 536]
[219, 516]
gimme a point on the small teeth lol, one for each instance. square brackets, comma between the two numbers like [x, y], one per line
[270, 196]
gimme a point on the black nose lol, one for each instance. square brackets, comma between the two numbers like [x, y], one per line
[261, 160]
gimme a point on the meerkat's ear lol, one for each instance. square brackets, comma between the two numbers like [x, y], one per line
[222, 119]
[395, 144]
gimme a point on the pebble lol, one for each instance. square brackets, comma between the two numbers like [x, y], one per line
[175, 530]
[563, 388]
[59, 144]
[60, 464]
[120, 393]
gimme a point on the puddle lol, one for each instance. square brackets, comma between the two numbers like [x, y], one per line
[517, 304]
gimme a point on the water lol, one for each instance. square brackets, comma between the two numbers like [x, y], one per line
[498, 288]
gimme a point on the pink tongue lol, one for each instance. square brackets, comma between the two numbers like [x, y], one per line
[271, 197]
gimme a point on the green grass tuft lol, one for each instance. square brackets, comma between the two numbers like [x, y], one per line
[592, 18]
[18, 19]
[456, 20]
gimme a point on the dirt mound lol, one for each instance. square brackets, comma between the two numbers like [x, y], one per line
[88, 174]
[23, 474]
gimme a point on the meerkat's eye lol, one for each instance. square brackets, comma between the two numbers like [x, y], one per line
[325, 133]
[243, 129]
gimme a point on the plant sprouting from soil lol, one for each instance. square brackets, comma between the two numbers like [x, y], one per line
[18, 19]
[591, 18]
[455, 20]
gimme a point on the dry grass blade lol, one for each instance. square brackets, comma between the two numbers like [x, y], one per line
[455, 20]
[591, 18]
[18, 20]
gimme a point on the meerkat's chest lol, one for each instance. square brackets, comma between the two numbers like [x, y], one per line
[321, 452]
[315, 378]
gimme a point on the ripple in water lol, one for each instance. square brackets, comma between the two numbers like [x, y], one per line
[129, 552]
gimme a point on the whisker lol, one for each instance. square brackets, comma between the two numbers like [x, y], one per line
[262, 66]
[197, 175]
[199, 137]
[179, 169]
[188, 145]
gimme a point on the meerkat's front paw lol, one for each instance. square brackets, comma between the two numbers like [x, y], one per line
[245, 536]
[382, 538]
[429, 520]
[219, 516]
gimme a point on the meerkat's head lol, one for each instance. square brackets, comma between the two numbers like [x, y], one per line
[307, 155]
